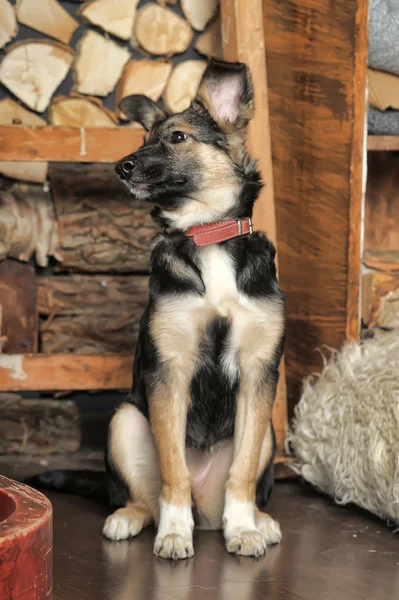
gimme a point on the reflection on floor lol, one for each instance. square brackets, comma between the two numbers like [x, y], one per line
[328, 553]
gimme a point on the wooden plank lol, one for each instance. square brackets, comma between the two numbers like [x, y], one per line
[382, 260]
[243, 40]
[68, 144]
[381, 219]
[41, 372]
[19, 322]
[358, 161]
[381, 143]
[314, 52]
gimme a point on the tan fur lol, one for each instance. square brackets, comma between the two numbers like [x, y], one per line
[217, 190]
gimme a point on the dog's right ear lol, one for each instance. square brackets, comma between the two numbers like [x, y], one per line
[142, 110]
[227, 93]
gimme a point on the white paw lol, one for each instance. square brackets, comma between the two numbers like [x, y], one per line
[174, 546]
[248, 542]
[269, 529]
[121, 527]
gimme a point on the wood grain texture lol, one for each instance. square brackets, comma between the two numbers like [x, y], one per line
[90, 314]
[381, 143]
[358, 160]
[41, 372]
[38, 426]
[381, 224]
[19, 322]
[314, 51]
[99, 229]
[68, 144]
[243, 40]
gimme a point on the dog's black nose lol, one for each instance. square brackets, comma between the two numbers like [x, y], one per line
[129, 165]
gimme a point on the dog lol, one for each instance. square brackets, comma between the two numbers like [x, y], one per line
[194, 443]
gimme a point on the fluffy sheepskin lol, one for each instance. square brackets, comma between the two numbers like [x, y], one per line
[345, 435]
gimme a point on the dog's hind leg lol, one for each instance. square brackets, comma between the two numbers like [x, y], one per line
[133, 454]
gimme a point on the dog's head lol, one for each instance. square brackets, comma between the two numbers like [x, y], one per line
[193, 166]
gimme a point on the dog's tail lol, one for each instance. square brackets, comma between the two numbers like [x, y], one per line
[89, 484]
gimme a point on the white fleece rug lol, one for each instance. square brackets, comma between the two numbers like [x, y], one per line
[345, 436]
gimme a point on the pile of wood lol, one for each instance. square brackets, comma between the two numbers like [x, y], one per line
[85, 227]
[101, 61]
[74, 251]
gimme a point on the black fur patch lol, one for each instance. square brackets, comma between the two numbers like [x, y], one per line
[211, 414]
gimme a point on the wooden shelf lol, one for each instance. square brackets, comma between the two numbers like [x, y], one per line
[382, 260]
[383, 142]
[68, 144]
[57, 372]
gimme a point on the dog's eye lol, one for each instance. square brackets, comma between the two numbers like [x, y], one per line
[177, 137]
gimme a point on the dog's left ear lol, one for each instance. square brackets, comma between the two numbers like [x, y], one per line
[142, 110]
[227, 93]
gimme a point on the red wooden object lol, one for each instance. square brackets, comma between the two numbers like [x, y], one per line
[26, 543]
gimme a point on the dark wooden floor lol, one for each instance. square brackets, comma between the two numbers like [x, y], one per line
[328, 553]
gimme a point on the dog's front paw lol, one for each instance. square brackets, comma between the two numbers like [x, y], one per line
[174, 546]
[245, 542]
[269, 529]
[121, 527]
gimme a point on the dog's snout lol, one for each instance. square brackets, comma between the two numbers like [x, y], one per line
[129, 165]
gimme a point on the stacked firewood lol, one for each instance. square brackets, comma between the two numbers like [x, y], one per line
[74, 251]
[112, 48]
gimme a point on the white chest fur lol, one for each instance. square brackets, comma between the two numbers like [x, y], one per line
[219, 276]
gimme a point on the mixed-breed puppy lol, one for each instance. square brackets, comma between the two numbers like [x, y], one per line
[194, 443]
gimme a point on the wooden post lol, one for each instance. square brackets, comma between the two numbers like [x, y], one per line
[243, 41]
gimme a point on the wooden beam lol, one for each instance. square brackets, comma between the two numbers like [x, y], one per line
[316, 85]
[243, 41]
[68, 144]
[358, 162]
[383, 142]
[41, 372]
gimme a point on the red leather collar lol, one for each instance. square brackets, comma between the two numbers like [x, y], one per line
[213, 233]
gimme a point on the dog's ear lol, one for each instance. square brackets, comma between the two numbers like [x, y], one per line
[227, 93]
[142, 110]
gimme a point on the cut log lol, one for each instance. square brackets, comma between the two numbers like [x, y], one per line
[38, 426]
[99, 64]
[19, 322]
[210, 42]
[80, 111]
[8, 23]
[147, 77]
[91, 314]
[198, 14]
[160, 31]
[380, 300]
[27, 224]
[183, 84]
[100, 230]
[50, 18]
[33, 69]
[115, 17]
[12, 113]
